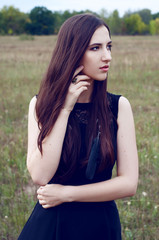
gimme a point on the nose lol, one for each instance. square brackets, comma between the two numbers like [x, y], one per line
[106, 55]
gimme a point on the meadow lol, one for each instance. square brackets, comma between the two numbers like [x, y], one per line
[134, 73]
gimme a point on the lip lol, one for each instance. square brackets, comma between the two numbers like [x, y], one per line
[104, 68]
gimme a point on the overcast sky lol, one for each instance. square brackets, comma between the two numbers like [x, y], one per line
[95, 5]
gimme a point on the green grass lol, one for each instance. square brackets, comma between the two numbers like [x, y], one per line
[134, 73]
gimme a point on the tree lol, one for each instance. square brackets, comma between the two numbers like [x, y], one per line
[12, 21]
[104, 14]
[155, 15]
[2, 24]
[145, 15]
[154, 26]
[157, 25]
[66, 14]
[42, 21]
[58, 21]
[114, 23]
[60, 17]
[134, 25]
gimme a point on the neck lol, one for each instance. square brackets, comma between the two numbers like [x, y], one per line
[85, 96]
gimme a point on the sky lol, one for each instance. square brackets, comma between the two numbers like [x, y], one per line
[94, 5]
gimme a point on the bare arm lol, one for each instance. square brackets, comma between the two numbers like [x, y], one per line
[43, 167]
[123, 185]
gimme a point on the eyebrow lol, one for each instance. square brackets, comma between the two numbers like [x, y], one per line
[98, 44]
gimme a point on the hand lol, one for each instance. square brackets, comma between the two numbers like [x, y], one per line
[75, 89]
[50, 195]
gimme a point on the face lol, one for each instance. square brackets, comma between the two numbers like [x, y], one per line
[96, 60]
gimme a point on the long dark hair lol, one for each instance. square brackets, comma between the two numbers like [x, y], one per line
[73, 40]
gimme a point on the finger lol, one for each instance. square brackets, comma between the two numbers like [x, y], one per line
[81, 84]
[80, 90]
[79, 78]
[73, 90]
[39, 190]
[40, 197]
[42, 202]
[83, 77]
[46, 206]
[42, 191]
[78, 70]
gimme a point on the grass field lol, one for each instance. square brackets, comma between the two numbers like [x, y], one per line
[134, 73]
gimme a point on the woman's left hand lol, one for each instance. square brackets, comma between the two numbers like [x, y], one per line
[51, 195]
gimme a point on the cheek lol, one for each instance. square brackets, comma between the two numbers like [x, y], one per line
[88, 68]
[88, 64]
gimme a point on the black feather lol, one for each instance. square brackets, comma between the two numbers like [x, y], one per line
[92, 161]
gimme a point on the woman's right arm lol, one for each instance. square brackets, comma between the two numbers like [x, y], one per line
[43, 167]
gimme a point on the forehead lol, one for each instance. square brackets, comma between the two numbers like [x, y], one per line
[101, 35]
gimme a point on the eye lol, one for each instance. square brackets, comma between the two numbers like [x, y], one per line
[94, 48]
[109, 47]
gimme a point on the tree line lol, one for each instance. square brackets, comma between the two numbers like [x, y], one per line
[42, 21]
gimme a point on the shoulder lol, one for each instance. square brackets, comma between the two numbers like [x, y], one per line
[124, 104]
[125, 111]
[32, 102]
[32, 107]
[120, 107]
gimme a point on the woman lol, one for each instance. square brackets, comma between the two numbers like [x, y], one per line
[77, 131]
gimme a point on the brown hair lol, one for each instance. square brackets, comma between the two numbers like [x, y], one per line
[73, 40]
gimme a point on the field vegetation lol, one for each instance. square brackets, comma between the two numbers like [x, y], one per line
[134, 73]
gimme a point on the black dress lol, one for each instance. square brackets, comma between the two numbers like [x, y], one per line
[79, 220]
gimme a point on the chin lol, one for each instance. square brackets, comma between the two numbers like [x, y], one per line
[101, 79]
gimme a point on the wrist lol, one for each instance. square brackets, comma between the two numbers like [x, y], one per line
[65, 111]
[67, 194]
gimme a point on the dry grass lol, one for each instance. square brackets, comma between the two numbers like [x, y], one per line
[134, 73]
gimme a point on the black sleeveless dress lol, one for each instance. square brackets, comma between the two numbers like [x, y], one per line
[79, 220]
